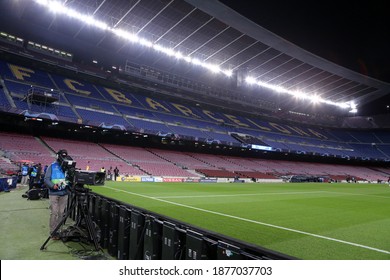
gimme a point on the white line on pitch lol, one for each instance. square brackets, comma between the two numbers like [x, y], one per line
[358, 194]
[235, 195]
[256, 222]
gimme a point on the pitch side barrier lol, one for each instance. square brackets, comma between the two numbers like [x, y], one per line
[133, 233]
[159, 179]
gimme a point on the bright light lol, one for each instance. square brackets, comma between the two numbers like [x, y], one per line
[196, 61]
[213, 68]
[169, 52]
[353, 107]
[353, 110]
[250, 80]
[298, 94]
[73, 14]
[158, 48]
[58, 7]
[91, 21]
[42, 2]
[315, 99]
[179, 55]
[188, 59]
[228, 73]
[126, 35]
[276, 88]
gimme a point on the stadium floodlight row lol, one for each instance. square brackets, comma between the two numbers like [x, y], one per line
[60, 8]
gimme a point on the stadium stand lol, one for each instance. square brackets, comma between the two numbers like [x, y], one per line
[148, 162]
[4, 103]
[85, 153]
[135, 161]
[92, 100]
[162, 121]
[24, 148]
[185, 160]
[109, 108]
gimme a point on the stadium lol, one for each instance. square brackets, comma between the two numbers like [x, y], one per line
[231, 142]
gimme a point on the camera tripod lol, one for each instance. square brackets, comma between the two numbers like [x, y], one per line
[79, 203]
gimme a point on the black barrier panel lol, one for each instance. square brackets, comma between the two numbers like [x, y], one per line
[152, 239]
[124, 233]
[136, 243]
[104, 221]
[199, 247]
[210, 248]
[173, 242]
[178, 241]
[248, 256]
[227, 251]
[113, 229]
[194, 246]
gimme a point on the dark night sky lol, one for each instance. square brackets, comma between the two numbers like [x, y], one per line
[353, 34]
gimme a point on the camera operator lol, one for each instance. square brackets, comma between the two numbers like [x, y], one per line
[55, 180]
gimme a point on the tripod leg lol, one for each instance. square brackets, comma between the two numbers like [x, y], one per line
[90, 227]
[68, 212]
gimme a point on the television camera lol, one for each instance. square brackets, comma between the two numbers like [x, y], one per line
[78, 178]
[84, 228]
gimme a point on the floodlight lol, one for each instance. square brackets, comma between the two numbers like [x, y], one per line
[126, 35]
[196, 61]
[145, 43]
[73, 14]
[228, 73]
[315, 99]
[55, 7]
[169, 52]
[179, 55]
[250, 80]
[353, 107]
[299, 94]
[91, 21]
[353, 110]
[343, 105]
[158, 48]
[188, 59]
[42, 2]
[213, 68]
[58, 7]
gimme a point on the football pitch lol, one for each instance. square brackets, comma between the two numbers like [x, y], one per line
[311, 221]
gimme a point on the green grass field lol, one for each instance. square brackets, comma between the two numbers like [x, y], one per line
[308, 221]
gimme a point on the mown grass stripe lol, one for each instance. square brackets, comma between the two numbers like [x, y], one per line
[236, 195]
[255, 222]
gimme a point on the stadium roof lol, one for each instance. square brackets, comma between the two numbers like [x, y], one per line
[205, 30]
